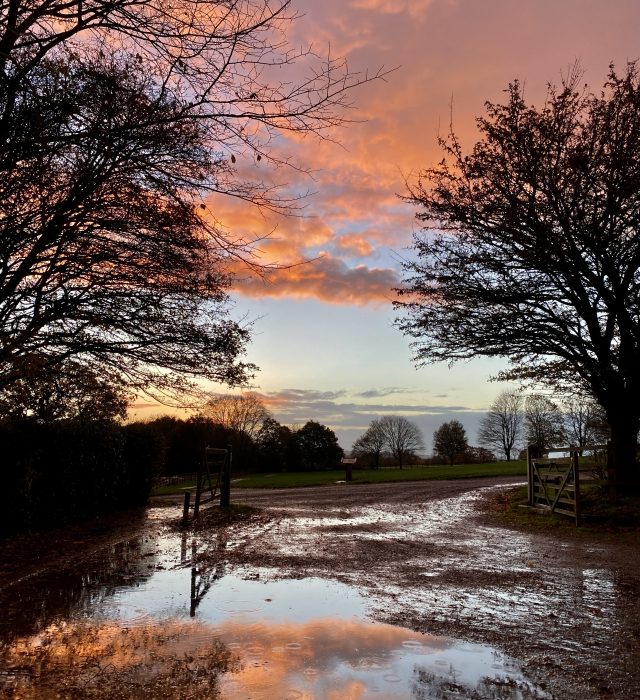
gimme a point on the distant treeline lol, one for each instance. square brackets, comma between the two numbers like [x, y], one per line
[269, 447]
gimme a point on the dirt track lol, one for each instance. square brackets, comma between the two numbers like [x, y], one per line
[423, 553]
[567, 608]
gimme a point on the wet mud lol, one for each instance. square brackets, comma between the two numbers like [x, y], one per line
[566, 606]
[387, 591]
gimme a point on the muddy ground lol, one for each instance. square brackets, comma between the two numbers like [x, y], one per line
[429, 556]
[567, 607]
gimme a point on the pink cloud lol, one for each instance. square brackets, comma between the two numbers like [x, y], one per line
[452, 55]
[355, 245]
[327, 279]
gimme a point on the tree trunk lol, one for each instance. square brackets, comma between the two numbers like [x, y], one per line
[624, 445]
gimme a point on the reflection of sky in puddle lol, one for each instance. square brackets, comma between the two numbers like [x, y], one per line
[309, 639]
[168, 594]
[133, 605]
[304, 638]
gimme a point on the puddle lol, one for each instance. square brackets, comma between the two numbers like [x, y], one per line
[140, 621]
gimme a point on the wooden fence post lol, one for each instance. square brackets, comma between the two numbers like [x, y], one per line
[185, 508]
[576, 482]
[532, 453]
[225, 485]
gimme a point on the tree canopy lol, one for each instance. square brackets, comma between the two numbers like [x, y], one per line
[450, 440]
[316, 446]
[402, 437]
[531, 248]
[104, 256]
[118, 122]
[544, 422]
[371, 443]
[245, 413]
[70, 392]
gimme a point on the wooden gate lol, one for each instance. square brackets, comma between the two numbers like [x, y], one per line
[214, 476]
[554, 483]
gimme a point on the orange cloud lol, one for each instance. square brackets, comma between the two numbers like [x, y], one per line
[412, 7]
[451, 57]
[327, 279]
[355, 244]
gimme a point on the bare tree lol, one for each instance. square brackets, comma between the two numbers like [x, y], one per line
[537, 257]
[104, 255]
[371, 443]
[118, 121]
[244, 413]
[500, 427]
[544, 422]
[450, 440]
[584, 420]
[230, 61]
[403, 438]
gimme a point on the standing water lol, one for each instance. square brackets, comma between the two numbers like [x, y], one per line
[147, 618]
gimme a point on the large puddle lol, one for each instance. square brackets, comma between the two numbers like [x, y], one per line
[141, 621]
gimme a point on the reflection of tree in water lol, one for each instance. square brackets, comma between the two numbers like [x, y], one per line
[83, 660]
[46, 650]
[34, 603]
[428, 685]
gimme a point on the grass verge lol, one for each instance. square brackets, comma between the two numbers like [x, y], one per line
[598, 513]
[285, 480]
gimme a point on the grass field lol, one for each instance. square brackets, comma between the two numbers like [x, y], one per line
[364, 476]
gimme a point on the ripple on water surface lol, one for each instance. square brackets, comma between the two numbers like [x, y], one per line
[234, 638]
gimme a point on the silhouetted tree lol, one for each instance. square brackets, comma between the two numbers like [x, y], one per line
[500, 427]
[105, 256]
[544, 422]
[245, 413]
[70, 392]
[371, 444]
[450, 439]
[585, 422]
[402, 437]
[273, 445]
[538, 256]
[117, 120]
[317, 446]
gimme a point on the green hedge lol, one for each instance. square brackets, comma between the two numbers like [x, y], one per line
[63, 472]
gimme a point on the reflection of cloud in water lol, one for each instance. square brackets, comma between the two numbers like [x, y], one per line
[322, 658]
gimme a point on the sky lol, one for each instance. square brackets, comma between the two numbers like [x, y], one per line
[323, 333]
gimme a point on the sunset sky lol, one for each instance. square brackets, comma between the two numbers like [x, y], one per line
[323, 334]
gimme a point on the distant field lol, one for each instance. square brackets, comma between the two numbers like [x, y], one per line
[363, 476]
[371, 476]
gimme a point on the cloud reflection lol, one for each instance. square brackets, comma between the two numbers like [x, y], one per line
[323, 658]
